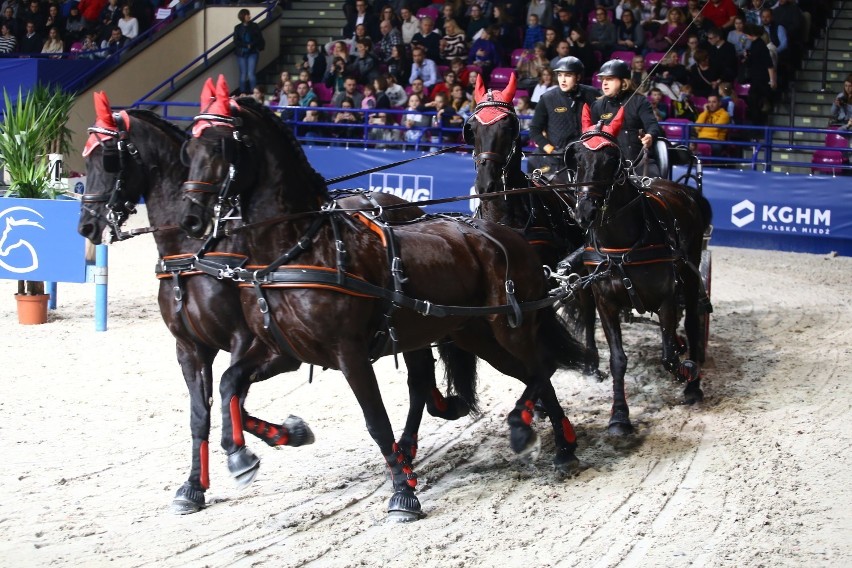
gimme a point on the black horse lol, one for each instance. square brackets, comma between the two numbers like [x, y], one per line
[644, 246]
[134, 154]
[339, 282]
[546, 218]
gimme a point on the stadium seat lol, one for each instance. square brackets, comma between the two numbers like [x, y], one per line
[324, 94]
[517, 55]
[675, 128]
[442, 69]
[698, 103]
[739, 111]
[652, 58]
[596, 82]
[836, 140]
[626, 56]
[521, 93]
[430, 11]
[677, 3]
[703, 149]
[500, 77]
[823, 159]
[742, 89]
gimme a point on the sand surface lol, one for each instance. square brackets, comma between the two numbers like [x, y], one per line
[94, 441]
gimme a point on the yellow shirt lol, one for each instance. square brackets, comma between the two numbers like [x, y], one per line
[721, 116]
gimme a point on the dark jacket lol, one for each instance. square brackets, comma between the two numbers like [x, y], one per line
[248, 39]
[638, 115]
[724, 58]
[558, 115]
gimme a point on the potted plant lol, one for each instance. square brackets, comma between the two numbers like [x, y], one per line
[34, 125]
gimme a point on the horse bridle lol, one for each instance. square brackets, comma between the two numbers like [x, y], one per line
[482, 157]
[231, 151]
[115, 162]
[620, 172]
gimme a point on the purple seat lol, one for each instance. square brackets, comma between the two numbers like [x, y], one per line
[626, 56]
[739, 111]
[698, 103]
[742, 89]
[652, 58]
[430, 11]
[703, 149]
[836, 141]
[823, 159]
[675, 128]
[324, 94]
[518, 55]
[500, 77]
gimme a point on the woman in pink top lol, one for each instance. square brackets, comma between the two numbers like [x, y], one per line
[669, 34]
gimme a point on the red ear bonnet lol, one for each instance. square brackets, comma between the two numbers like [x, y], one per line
[587, 118]
[491, 114]
[613, 128]
[479, 91]
[103, 119]
[215, 99]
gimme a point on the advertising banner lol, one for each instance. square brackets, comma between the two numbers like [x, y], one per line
[39, 240]
[750, 209]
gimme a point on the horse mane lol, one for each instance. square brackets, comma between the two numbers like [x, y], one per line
[312, 176]
[179, 134]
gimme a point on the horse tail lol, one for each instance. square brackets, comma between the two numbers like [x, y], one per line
[561, 346]
[460, 369]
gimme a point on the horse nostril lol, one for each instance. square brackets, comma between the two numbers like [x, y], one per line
[192, 224]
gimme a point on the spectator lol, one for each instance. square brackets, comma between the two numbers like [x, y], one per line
[655, 97]
[703, 76]
[728, 99]
[563, 49]
[390, 38]
[8, 42]
[683, 106]
[399, 66]
[388, 14]
[31, 42]
[445, 117]
[506, 34]
[453, 44]
[346, 122]
[723, 55]
[314, 62]
[484, 53]
[634, 6]
[259, 94]
[602, 33]
[445, 87]
[363, 17]
[524, 110]
[89, 49]
[669, 34]
[11, 21]
[109, 17]
[752, 13]
[737, 38]
[36, 16]
[414, 120]
[542, 10]
[311, 128]
[841, 108]
[380, 87]
[639, 79]
[306, 94]
[534, 33]
[54, 18]
[761, 73]
[53, 43]
[423, 68]
[417, 88]
[113, 44]
[248, 42]
[288, 113]
[788, 14]
[459, 101]
[687, 58]
[305, 77]
[776, 32]
[128, 24]
[350, 91]
[369, 100]
[721, 13]
[91, 11]
[670, 75]
[428, 39]
[545, 83]
[529, 69]
[581, 49]
[629, 34]
[366, 67]
[279, 94]
[462, 74]
[448, 12]
[476, 23]
[700, 25]
[381, 133]
[395, 93]
[714, 114]
[335, 78]
[551, 40]
[74, 26]
[410, 25]
[563, 23]
[471, 83]
[654, 15]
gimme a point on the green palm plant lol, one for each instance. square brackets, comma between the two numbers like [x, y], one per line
[33, 126]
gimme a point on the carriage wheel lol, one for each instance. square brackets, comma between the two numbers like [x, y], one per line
[705, 269]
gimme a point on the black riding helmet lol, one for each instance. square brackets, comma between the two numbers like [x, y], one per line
[614, 68]
[570, 64]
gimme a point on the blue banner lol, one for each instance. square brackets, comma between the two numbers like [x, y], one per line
[750, 209]
[39, 240]
[26, 73]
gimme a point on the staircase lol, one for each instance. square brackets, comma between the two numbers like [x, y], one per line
[815, 88]
[321, 20]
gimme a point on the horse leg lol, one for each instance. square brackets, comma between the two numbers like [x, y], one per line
[403, 504]
[294, 431]
[591, 364]
[196, 364]
[690, 370]
[619, 422]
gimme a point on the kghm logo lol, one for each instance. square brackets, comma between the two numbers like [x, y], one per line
[783, 218]
[16, 253]
[742, 213]
[411, 187]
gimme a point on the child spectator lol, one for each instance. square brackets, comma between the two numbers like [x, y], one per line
[345, 121]
[728, 98]
[655, 97]
[484, 53]
[369, 100]
[384, 135]
[395, 93]
[534, 33]
[414, 120]
[682, 106]
[524, 110]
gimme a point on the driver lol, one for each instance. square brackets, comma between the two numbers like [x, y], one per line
[556, 121]
[640, 128]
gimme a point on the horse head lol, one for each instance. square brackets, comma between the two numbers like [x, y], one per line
[599, 163]
[236, 147]
[126, 153]
[493, 130]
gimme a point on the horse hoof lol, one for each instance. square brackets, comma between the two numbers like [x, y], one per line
[454, 408]
[566, 462]
[687, 372]
[620, 429]
[595, 373]
[404, 507]
[692, 396]
[243, 465]
[529, 454]
[300, 433]
[187, 500]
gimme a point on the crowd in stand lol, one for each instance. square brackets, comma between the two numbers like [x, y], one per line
[93, 28]
[421, 57]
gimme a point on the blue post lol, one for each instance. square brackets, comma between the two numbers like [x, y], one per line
[52, 289]
[101, 277]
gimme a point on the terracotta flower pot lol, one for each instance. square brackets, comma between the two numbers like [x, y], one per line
[32, 309]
